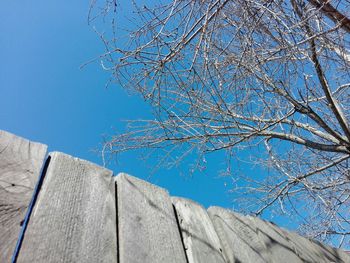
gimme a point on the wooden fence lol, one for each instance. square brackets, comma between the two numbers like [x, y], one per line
[80, 212]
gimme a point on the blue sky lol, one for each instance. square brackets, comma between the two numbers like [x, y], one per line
[46, 97]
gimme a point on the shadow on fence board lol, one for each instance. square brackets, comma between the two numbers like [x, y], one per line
[20, 164]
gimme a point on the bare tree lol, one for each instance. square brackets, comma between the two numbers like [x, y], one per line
[224, 75]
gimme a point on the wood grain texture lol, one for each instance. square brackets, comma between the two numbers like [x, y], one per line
[307, 250]
[147, 226]
[249, 239]
[201, 242]
[74, 218]
[20, 164]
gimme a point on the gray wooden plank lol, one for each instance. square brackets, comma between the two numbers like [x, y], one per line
[308, 250]
[239, 243]
[202, 245]
[20, 164]
[250, 239]
[74, 218]
[147, 226]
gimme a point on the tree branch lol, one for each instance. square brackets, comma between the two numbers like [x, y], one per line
[332, 13]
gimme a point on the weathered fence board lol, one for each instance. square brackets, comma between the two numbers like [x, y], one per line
[248, 239]
[199, 237]
[307, 250]
[20, 164]
[74, 218]
[147, 227]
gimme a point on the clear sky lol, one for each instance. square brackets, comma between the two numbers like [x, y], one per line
[46, 97]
